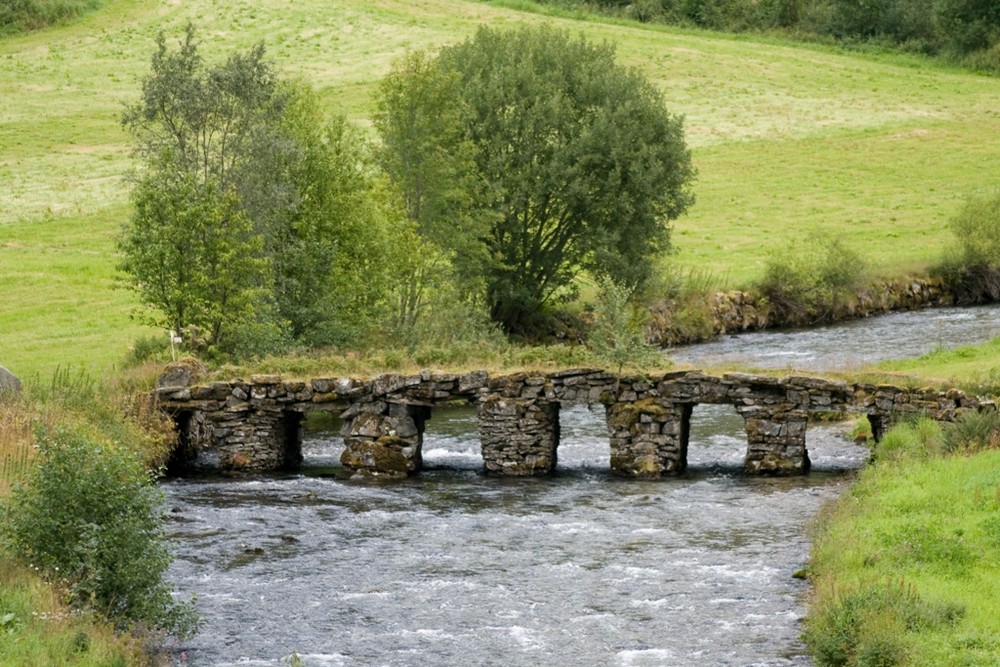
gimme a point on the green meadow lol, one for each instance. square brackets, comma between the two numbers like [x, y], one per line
[790, 142]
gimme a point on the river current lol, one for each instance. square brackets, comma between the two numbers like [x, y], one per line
[453, 568]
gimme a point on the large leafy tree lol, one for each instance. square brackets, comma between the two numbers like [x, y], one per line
[429, 159]
[254, 217]
[577, 166]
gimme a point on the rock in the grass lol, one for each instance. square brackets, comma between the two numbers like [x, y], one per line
[9, 382]
[181, 373]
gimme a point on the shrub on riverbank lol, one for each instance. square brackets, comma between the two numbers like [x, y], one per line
[81, 524]
[815, 283]
[867, 626]
[972, 268]
[904, 563]
[90, 517]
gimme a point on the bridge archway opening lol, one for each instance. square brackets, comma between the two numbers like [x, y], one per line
[451, 438]
[878, 426]
[322, 442]
[291, 423]
[184, 453]
[583, 438]
[716, 437]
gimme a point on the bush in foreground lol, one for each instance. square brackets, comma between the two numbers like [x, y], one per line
[866, 627]
[91, 518]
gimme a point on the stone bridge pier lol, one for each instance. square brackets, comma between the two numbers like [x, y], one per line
[247, 431]
[384, 439]
[649, 438]
[776, 440]
[519, 436]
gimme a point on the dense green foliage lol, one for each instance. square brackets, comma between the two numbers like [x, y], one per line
[257, 221]
[568, 162]
[973, 268]
[429, 160]
[812, 282]
[904, 564]
[968, 30]
[24, 15]
[90, 516]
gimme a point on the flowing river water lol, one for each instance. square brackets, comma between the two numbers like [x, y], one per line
[453, 568]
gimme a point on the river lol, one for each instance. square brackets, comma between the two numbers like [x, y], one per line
[452, 568]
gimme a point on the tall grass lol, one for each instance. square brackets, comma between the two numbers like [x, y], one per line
[16, 451]
[463, 357]
[38, 630]
[120, 409]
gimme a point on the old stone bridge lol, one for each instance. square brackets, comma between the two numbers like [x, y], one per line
[256, 425]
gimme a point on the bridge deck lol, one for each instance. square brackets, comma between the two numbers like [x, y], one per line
[255, 424]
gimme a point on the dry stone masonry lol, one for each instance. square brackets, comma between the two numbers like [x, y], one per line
[255, 425]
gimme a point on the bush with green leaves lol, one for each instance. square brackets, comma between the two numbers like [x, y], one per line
[618, 336]
[813, 283]
[91, 517]
[973, 266]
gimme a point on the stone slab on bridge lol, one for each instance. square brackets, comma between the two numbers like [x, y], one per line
[255, 424]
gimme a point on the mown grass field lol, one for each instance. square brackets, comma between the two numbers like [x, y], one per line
[790, 142]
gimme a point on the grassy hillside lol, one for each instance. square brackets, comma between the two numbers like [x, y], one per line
[789, 141]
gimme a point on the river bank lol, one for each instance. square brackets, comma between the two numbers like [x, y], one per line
[41, 624]
[679, 321]
[904, 563]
